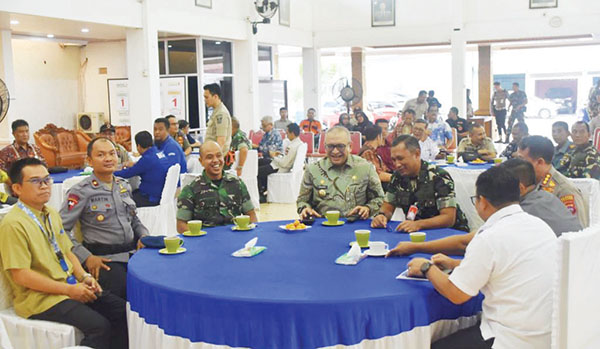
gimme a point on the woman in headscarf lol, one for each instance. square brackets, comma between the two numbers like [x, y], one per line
[344, 121]
[362, 122]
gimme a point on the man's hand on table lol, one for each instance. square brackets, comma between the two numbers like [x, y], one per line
[307, 211]
[414, 267]
[409, 226]
[444, 262]
[403, 248]
[361, 211]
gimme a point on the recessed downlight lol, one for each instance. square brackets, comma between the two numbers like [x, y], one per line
[50, 36]
[85, 30]
[14, 22]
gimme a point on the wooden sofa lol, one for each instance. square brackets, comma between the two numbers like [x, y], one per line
[123, 136]
[62, 147]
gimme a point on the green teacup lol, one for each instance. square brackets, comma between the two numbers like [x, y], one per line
[195, 226]
[242, 221]
[362, 237]
[450, 159]
[332, 216]
[497, 160]
[418, 236]
[172, 243]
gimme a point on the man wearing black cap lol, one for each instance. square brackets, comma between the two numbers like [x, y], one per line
[108, 131]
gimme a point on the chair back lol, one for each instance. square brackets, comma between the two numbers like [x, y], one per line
[322, 143]
[168, 192]
[590, 190]
[256, 137]
[596, 134]
[356, 140]
[187, 178]
[300, 159]
[308, 138]
[454, 139]
[123, 136]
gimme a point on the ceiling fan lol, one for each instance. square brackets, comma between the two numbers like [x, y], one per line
[4, 100]
[266, 9]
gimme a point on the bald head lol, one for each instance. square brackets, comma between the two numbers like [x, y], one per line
[209, 146]
[211, 158]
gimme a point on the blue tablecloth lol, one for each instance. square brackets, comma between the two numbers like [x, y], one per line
[61, 177]
[481, 167]
[292, 295]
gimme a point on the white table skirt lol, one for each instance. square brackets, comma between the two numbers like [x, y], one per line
[148, 336]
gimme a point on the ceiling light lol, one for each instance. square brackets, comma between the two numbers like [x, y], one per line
[169, 46]
[14, 22]
[50, 36]
[85, 30]
[217, 43]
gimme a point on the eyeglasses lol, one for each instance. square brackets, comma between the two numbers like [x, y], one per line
[39, 181]
[340, 147]
[474, 199]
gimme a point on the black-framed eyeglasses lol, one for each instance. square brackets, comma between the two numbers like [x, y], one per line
[39, 181]
[340, 147]
[474, 199]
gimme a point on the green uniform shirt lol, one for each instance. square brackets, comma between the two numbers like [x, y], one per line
[213, 202]
[24, 246]
[182, 140]
[219, 125]
[581, 162]
[239, 141]
[431, 190]
[327, 187]
[466, 145]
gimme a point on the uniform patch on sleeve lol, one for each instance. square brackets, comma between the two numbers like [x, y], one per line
[569, 202]
[72, 201]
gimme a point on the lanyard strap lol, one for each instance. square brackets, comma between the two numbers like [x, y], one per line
[35, 154]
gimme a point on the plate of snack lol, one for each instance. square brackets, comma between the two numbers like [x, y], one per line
[477, 162]
[295, 226]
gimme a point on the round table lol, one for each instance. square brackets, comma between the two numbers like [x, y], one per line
[292, 295]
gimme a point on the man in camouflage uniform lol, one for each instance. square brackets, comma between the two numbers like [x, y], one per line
[425, 185]
[518, 102]
[218, 128]
[341, 181]
[582, 159]
[538, 151]
[214, 197]
[477, 145]
[239, 142]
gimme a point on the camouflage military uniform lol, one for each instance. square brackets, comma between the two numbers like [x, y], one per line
[557, 184]
[432, 190]
[214, 202]
[238, 141]
[516, 98]
[328, 187]
[581, 162]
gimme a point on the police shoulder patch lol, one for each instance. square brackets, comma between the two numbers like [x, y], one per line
[569, 202]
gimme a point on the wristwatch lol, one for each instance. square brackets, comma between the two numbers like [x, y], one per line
[425, 268]
[85, 276]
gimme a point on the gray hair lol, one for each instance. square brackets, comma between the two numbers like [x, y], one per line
[337, 130]
[267, 119]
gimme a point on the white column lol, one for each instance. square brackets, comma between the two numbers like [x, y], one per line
[143, 73]
[311, 76]
[245, 82]
[458, 71]
[7, 74]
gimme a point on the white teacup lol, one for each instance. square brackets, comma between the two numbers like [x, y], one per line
[378, 246]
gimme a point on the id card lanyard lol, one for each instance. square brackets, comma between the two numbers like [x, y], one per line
[52, 240]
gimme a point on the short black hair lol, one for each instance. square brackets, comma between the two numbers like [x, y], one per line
[515, 83]
[421, 121]
[521, 169]
[539, 147]
[381, 121]
[309, 109]
[371, 133]
[15, 172]
[214, 89]
[163, 121]
[282, 108]
[294, 128]
[523, 127]
[18, 123]
[410, 142]
[587, 127]
[90, 145]
[170, 116]
[183, 124]
[432, 106]
[496, 83]
[422, 92]
[561, 124]
[474, 126]
[431, 93]
[454, 110]
[144, 139]
[498, 186]
[410, 111]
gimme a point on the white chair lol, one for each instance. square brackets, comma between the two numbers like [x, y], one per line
[161, 219]
[187, 178]
[17, 332]
[285, 187]
[249, 175]
[590, 189]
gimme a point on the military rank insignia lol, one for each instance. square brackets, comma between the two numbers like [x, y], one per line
[569, 202]
[72, 201]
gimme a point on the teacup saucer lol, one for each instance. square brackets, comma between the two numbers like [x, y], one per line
[249, 227]
[338, 223]
[179, 250]
[189, 233]
[353, 242]
[372, 253]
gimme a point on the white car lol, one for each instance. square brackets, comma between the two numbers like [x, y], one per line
[542, 108]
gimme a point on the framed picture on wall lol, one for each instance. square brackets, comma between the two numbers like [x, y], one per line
[284, 12]
[383, 13]
[204, 3]
[543, 3]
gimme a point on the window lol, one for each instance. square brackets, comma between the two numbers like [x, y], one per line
[162, 70]
[182, 56]
[265, 62]
[216, 57]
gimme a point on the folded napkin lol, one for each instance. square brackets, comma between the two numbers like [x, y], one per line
[154, 241]
[250, 249]
[352, 257]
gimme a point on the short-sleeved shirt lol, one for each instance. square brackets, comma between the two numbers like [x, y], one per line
[441, 132]
[517, 98]
[581, 162]
[327, 187]
[558, 185]
[548, 208]
[499, 99]
[219, 125]
[461, 125]
[281, 124]
[271, 141]
[370, 154]
[313, 126]
[429, 149]
[467, 146]
[152, 169]
[239, 140]
[419, 108]
[213, 202]
[24, 246]
[14, 152]
[182, 140]
[559, 153]
[171, 149]
[510, 261]
[431, 190]
[510, 149]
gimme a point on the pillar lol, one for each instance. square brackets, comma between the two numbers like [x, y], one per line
[143, 73]
[358, 72]
[311, 78]
[245, 83]
[485, 80]
[458, 49]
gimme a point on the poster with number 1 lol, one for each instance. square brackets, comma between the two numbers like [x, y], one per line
[173, 100]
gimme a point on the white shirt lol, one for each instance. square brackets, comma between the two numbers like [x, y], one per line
[284, 163]
[511, 260]
[429, 149]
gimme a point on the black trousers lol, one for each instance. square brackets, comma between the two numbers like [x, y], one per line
[103, 322]
[115, 279]
[264, 161]
[469, 338]
[263, 174]
[142, 200]
[514, 115]
[500, 121]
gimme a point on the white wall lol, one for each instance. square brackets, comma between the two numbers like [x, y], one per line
[46, 79]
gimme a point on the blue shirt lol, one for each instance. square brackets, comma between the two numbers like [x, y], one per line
[271, 141]
[152, 169]
[440, 132]
[172, 150]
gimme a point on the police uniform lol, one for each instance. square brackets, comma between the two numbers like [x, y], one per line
[110, 226]
[581, 162]
[213, 202]
[219, 125]
[557, 184]
[546, 207]
[467, 146]
[499, 108]
[431, 191]
[328, 187]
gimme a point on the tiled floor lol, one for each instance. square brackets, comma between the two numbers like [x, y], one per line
[277, 212]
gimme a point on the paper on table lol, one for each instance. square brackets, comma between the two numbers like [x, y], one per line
[404, 275]
[352, 257]
[250, 249]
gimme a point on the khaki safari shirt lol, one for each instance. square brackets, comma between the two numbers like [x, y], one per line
[219, 125]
